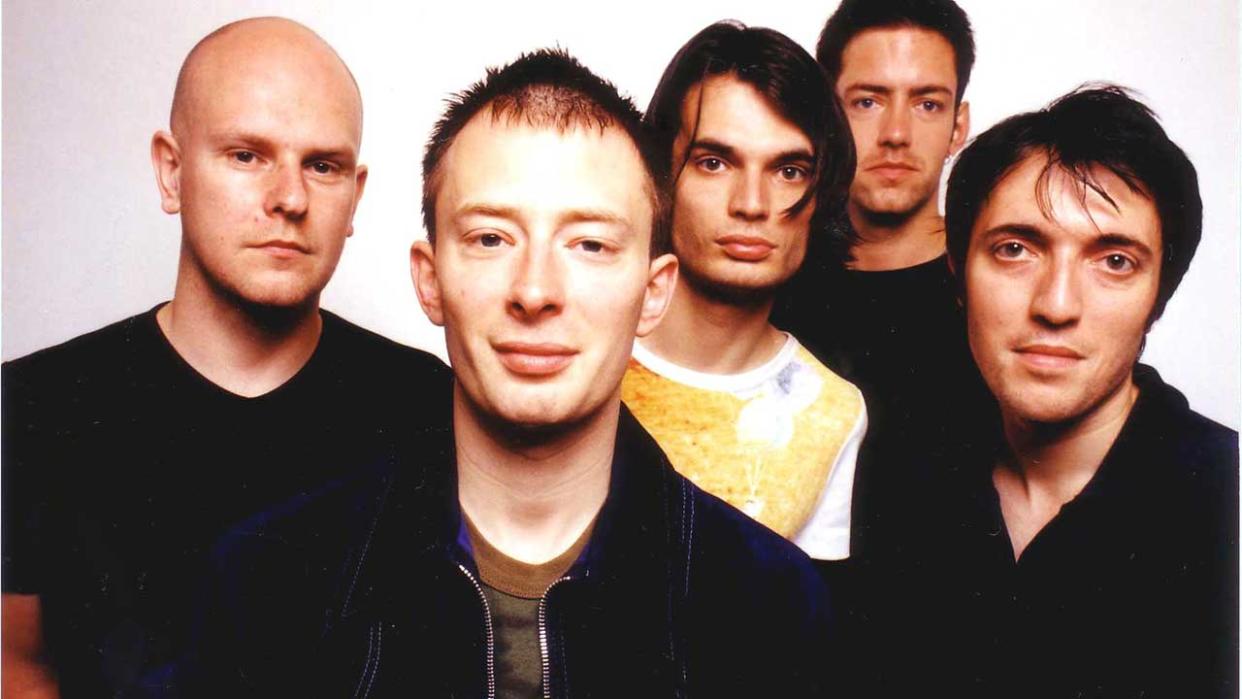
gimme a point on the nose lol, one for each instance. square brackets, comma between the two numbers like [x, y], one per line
[287, 194]
[538, 284]
[749, 197]
[895, 126]
[1057, 300]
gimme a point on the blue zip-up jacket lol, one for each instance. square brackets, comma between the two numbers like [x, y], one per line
[364, 591]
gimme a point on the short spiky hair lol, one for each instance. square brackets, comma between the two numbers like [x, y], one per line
[1093, 126]
[546, 88]
[856, 16]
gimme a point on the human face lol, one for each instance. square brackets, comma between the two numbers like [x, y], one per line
[1057, 305]
[745, 164]
[262, 166]
[541, 273]
[898, 87]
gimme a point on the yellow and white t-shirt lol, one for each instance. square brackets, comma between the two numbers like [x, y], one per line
[778, 442]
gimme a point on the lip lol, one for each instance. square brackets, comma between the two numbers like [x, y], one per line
[1048, 356]
[282, 248]
[746, 248]
[534, 358]
[891, 170]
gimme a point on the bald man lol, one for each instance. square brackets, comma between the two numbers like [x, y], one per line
[128, 450]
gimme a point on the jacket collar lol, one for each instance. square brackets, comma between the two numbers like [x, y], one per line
[640, 530]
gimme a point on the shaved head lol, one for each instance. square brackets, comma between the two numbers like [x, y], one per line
[259, 48]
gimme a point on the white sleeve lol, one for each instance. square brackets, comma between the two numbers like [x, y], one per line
[826, 535]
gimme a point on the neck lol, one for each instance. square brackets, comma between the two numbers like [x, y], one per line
[244, 350]
[888, 242]
[1058, 460]
[532, 492]
[715, 335]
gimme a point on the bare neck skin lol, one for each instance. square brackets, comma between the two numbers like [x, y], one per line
[532, 494]
[232, 348]
[715, 336]
[888, 242]
[1049, 465]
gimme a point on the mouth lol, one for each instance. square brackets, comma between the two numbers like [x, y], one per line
[746, 248]
[892, 171]
[534, 358]
[1048, 356]
[282, 248]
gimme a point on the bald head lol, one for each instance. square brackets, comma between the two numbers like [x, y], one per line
[262, 49]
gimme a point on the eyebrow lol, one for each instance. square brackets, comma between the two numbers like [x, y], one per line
[512, 213]
[917, 90]
[341, 153]
[711, 145]
[1103, 240]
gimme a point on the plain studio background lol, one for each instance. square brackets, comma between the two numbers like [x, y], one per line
[86, 82]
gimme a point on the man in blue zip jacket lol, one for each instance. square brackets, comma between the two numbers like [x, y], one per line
[543, 546]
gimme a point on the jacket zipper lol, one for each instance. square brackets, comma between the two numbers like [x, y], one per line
[543, 638]
[491, 640]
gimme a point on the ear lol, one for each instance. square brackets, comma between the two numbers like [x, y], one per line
[360, 183]
[166, 159]
[961, 128]
[661, 281]
[426, 283]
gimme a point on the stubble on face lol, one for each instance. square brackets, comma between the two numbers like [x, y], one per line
[898, 87]
[1059, 292]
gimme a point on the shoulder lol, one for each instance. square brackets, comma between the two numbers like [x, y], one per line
[357, 344]
[737, 555]
[836, 389]
[1162, 421]
[96, 352]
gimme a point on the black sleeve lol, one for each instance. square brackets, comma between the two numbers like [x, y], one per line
[25, 464]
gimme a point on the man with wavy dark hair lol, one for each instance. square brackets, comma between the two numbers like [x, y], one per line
[1090, 548]
[758, 156]
[544, 546]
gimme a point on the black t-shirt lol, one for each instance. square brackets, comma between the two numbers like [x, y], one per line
[122, 465]
[1130, 590]
[900, 336]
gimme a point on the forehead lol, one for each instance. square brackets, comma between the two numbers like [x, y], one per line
[283, 91]
[727, 110]
[1061, 207]
[544, 172]
[898, 56]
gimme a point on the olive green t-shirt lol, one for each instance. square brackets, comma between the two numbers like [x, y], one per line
[513, 590]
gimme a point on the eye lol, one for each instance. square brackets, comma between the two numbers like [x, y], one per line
[711, 164]
[1119, 264]
[491, 240]
[244, 157]
[323, 167]
[591, 246]
[792, 173]
[930, 106]
[864, 102]
[1010, 250]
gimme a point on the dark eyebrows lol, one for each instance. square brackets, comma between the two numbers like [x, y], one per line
[1101, 241]
[711, 145]
[1118, 240]
[917, 91]
[724, 150]
[1017, 230]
